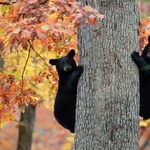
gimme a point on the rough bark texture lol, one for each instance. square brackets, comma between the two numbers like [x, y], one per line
[107, 115]
[26, 128]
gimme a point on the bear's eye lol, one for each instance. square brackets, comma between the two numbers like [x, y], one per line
[148, 55]
[62, 64]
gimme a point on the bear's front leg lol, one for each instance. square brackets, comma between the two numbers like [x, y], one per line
[73, 80]
[79, 70]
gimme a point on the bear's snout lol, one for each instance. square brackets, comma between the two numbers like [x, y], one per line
[67, 68]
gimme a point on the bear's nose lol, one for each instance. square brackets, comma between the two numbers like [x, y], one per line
[67, 68]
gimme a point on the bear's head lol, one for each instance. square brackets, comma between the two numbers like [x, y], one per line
[65, 64]
[146, 52]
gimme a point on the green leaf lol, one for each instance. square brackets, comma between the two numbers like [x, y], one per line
[18, 4]
[57, 57]
[69, 38]
[59, 44]
[31, 18]
[53, 51]
[1, 31]
[1, 105]
[11, 116]
[16, 30]
[42, 50]
[6, 8]
[44, 27]
[36, 95]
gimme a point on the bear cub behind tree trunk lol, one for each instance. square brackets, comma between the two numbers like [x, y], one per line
[143, 64]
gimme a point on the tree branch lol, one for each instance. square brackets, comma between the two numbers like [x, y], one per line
[4, 3]
[43, 60]
[25, 68]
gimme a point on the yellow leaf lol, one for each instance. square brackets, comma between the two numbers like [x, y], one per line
[67, 146]
[143, 124]
[71, 138]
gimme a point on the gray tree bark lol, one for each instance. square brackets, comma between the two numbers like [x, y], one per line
[107, 114]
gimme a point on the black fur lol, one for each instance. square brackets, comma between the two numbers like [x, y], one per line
[143, 64]
[65, 102]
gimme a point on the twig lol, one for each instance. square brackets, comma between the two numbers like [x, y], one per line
[25, 68]
[42, 59]
[3, 3]
[43, 2]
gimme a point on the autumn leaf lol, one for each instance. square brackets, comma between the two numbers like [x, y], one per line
[92, 19]
[100, 16]
[32, 1]
[89, 9]
[45, 27]
[25, 34]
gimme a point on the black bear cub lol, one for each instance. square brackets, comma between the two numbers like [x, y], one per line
[143, 64]
[65, 102]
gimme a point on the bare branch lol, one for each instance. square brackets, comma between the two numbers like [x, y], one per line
[42, 59]
[4, 3]
[25, 68]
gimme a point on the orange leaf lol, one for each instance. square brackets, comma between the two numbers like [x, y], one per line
[92, 19]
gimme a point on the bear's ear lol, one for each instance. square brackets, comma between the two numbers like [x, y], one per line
[53, 61]
[71, 53]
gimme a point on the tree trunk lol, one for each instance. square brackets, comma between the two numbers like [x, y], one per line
[107, 114]
[26, 128]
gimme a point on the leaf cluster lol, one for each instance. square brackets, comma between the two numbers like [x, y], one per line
[50, 23]
[10, 94]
